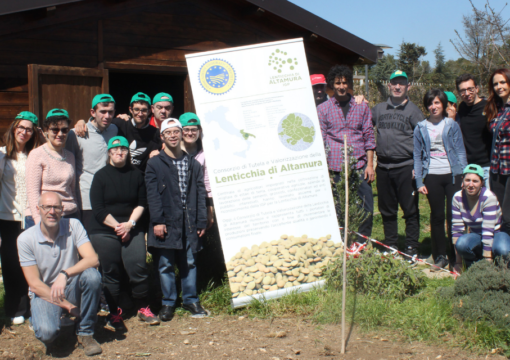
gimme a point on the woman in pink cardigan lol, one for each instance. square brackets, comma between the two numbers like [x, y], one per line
[50, 167]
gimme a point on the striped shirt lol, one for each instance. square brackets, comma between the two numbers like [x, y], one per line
[484, 219]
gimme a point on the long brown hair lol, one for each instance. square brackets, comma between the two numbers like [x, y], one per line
[494, 102]
[10, 140]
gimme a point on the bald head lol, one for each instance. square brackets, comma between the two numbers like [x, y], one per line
[50, 198]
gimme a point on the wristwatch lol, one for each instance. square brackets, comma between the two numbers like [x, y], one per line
[133, 223]
[65, 273]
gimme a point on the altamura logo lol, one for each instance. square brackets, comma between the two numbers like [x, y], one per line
[280, 62]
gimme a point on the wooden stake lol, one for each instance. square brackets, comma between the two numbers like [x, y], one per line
[344, 268]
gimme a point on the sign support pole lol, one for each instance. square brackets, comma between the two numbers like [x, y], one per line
[344, 267]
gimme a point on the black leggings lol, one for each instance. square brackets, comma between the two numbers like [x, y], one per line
[441, 188]
[16, 288]
[113, 253]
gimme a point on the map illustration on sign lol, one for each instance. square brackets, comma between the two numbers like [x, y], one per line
[296, 132]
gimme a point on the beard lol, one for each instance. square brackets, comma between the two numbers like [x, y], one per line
[320, 100]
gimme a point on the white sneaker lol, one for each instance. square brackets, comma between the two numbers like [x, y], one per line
[18, 320]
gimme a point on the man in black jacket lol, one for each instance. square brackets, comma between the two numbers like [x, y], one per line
[178, 218]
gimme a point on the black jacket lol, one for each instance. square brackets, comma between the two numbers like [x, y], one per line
[165, 204]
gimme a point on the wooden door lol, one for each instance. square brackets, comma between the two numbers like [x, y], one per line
[64, 87]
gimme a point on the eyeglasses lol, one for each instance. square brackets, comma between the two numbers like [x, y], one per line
[24, 129]
[171, 133]
[120, 149]
[468, 90]
[57, 130]
[143, 111]
[187, 131]
[48, 208]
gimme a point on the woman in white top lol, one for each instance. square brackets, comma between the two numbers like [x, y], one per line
[20, 139]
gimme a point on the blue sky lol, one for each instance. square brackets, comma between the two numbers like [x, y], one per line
[381, 22]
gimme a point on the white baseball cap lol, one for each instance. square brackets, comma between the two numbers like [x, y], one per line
[170, 123]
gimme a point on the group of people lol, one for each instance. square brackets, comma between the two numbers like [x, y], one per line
[458, 156]
[76, 207]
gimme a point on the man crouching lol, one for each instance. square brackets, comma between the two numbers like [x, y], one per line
[49, 255]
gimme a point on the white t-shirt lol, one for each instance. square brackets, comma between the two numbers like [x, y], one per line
[439, 163]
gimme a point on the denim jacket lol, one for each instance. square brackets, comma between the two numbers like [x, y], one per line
[453, 144]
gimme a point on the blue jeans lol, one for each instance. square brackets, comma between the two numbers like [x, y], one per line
[83, 291]
[469, 247]
[185, 260]
[486, 174]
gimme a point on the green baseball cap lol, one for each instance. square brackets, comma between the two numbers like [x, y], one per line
[398, 73]
[451, 97]
[140, 96]
[189, 119]
[474, 169]
[118, 141]
[163, 97]
[27, 115]
[57, 112]
[102, 98]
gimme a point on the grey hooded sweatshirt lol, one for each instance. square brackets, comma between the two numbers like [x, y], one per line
[395, 131]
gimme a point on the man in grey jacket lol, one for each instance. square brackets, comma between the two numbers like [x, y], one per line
[395, 120]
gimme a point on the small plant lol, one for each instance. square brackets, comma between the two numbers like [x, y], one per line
[374, 274]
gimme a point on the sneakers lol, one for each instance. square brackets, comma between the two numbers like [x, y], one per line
[196, 310]
[89, 345]
[114, 322]
[412, 252]
[18, 320]
[146, 315]
[440, 262]
[166, 313]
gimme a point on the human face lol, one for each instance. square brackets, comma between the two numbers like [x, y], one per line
[162, 110]
[436, 107]
[103, 115]
[319, 91]
[451, 110]
[468, 91]
[23, 131]
[501, 87]
[140, 113]
[190, 134]
[172, 137]
[57, 133]
[50, 209]
[472, 184]
[118, 156]
[398, 87]
[341, 87]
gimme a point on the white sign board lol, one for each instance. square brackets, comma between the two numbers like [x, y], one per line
[267, 166]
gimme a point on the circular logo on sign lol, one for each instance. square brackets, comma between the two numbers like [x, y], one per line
[217, 76]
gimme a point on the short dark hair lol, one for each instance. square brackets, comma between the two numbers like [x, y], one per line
[104, 104]
[431, 95]
[464, 77]
[54, 120]
[339, 71]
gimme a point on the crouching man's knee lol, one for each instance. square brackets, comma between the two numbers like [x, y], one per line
[91, 279]
[46, 334]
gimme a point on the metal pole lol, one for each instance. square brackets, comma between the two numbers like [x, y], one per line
[344, 268]
[366, 81]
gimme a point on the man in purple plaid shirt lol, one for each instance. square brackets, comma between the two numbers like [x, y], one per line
[341, 115]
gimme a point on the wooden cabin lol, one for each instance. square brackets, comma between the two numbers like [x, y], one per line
[60, 53]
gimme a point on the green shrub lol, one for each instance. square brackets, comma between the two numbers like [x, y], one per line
[374, 274]
[482, 293]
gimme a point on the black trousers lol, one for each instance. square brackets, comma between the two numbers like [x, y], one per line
[397, 186]
[441, 189]
[501, 187]
[113, 255]
[16, 302]
[86, 215]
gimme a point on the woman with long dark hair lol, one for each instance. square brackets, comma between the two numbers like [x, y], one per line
[439, 159]
[497, 111]
[20, 139]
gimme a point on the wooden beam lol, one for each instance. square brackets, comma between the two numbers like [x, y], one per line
[33, 89]
[69, 71]
[156, 69]
[100, 52]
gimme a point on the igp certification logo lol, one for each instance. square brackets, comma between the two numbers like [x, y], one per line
[217, 76]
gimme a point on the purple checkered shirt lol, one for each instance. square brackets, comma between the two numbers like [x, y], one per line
[358, 127]
[500, 159]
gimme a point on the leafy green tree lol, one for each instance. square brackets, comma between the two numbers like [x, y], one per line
[409, 58]
[383, 69]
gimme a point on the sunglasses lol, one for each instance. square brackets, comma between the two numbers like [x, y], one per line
[57, 130]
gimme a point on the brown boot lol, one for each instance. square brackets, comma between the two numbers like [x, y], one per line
[90, 346]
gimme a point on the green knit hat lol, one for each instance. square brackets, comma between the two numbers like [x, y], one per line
[27, 115]
[398, 73]
[189, 119]
[122, 141]
[474, 169]
[451, 97]
[57, 112]
[102, 98]
[163, 97]
[140, 96]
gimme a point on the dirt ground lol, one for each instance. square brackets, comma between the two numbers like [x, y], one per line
[228, 337]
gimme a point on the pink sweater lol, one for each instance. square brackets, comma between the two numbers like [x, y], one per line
[44, 174]
[200, 157]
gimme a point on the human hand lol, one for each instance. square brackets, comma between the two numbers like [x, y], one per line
[80, 128]
[369, 174]
[360, 99]
[200, 232]
[160, 231]
[210, 217]
[126, 237]
[123, 228]
[423, 190]
[153, 153]
[58, 289]
[124, 117]
[74, 311]
[413, 174]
